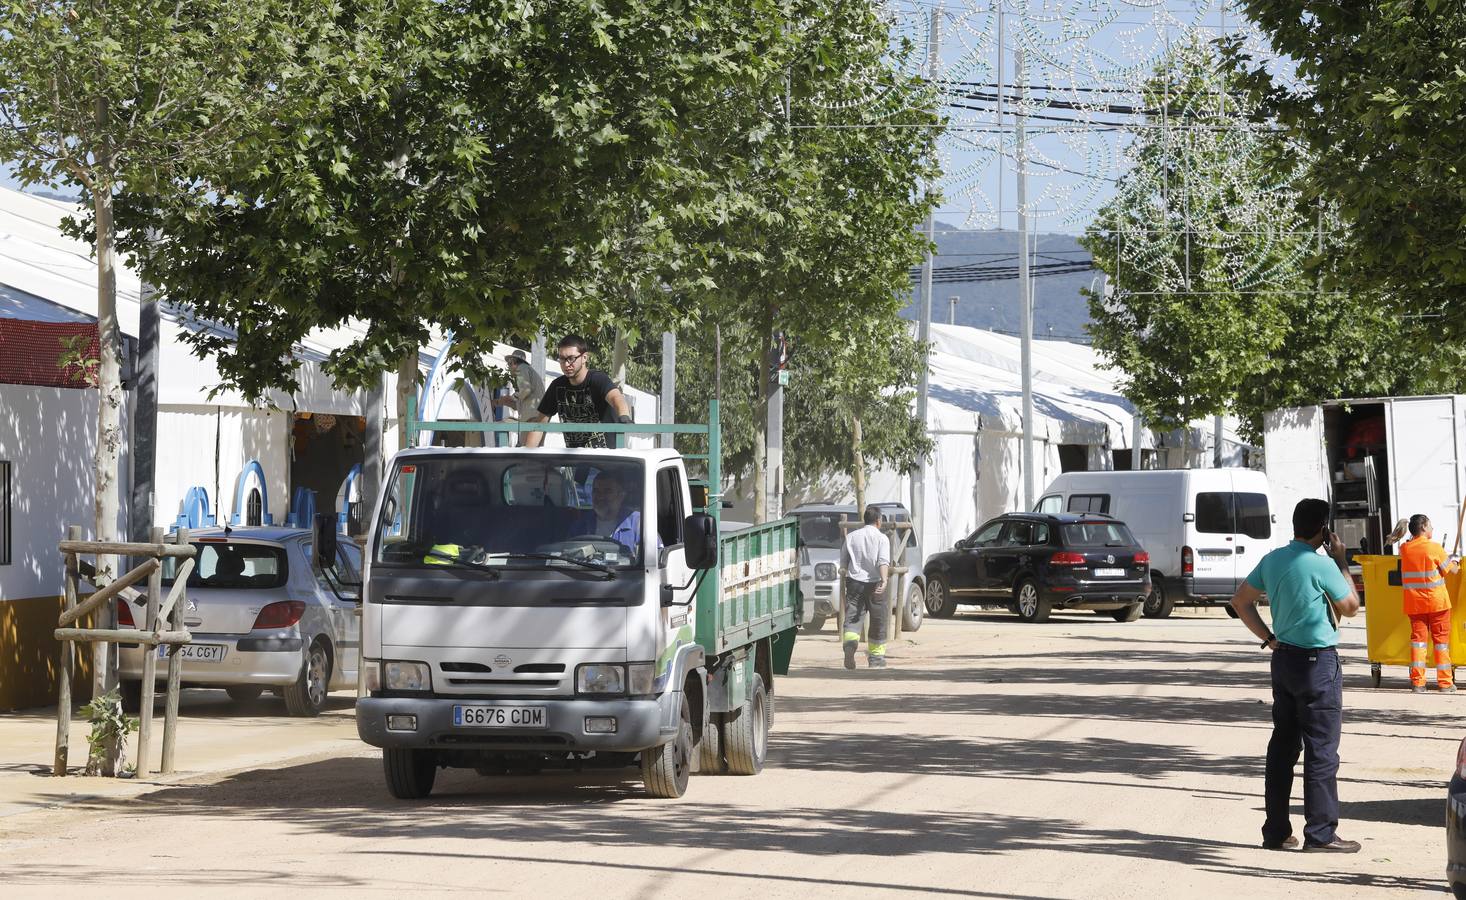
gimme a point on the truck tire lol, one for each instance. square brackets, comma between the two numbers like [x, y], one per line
[244, 693]
[306, 696]
[814, 624]
[913, 611]
[132, 696]
[410, 773]
[747, 732]
[665, 769]
[1030, 602]
[939, 602]
[710, 748]
[1158, 604]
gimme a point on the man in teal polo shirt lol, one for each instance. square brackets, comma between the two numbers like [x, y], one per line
[1307, 593]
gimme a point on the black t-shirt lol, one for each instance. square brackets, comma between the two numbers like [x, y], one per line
[584, 402]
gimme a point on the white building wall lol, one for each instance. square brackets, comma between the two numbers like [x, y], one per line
[48, 437]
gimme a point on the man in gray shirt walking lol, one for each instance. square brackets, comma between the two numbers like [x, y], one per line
[866, 559]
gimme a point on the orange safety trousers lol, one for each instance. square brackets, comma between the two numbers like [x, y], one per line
[1431, 628]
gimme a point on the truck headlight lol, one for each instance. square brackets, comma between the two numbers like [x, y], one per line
[406, 676]
[642, 678]
[824, 572]
[601, 678]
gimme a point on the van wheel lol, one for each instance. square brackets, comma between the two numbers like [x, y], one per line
[665, 769]
[913, 611]
[939, 602]
[1158, 604]
[1032, 605]
[1127, 613]
[410, 773]
[747, 732]
[132, 696]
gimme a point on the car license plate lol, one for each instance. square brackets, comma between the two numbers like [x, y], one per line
[210, 653]
[499, 716]
[1109, 573]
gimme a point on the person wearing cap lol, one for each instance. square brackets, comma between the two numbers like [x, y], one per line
[529, 385]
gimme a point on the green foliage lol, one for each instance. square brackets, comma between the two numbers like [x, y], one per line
[110, 728]
[1213, 261]
[1380, 105]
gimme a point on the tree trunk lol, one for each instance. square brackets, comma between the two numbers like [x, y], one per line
[763, 341]
[407, 375]
[857, 468]
[109, 424]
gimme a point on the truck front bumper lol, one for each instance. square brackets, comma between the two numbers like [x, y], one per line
[640, 724]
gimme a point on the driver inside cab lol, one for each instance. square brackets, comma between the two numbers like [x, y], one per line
[609, 514]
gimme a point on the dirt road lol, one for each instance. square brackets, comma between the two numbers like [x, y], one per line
[1079, 758]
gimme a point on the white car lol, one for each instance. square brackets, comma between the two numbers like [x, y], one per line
[263, 614]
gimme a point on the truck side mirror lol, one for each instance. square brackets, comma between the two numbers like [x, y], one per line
[700, 537]
[699, 495]
[325, 540]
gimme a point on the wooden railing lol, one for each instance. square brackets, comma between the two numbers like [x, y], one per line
[159, 609]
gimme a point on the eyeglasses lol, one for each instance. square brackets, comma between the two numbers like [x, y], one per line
[570, 360]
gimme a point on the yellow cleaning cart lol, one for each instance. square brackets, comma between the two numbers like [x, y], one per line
[1387, 628]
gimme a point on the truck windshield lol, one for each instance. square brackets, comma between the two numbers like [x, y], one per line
[513, 511]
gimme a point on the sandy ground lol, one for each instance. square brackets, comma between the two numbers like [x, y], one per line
[1079, 758]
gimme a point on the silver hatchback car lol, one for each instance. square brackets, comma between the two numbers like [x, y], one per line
[264, 614]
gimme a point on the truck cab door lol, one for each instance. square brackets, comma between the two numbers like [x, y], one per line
[1425, 474]
[676, 580]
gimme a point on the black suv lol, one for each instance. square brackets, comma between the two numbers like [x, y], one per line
[1038, 562]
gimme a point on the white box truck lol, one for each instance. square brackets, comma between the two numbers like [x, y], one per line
[1204, 528]
[1377, 460]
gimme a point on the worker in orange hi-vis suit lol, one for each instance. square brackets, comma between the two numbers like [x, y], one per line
[1423, 567]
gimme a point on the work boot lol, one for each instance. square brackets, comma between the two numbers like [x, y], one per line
[1448, 689]
[850, 647]
[1418, 688]
[875, 662]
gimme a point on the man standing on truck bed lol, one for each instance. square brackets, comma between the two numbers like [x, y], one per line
[582, 394]
[1305, 591]
[1423, 570]
[866, 559]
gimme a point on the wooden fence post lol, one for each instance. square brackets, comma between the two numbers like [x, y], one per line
[63, 688]
[150, 665]
[175, 670]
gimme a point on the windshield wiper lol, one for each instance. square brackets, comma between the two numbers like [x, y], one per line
[584, 563]
[452, 560]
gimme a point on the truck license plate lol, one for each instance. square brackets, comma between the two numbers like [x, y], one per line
[499, 716]
[210, 653]
[1109, 573]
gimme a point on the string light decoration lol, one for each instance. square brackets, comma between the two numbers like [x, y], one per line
[1090, 106]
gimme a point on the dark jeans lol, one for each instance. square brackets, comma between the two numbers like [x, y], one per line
[1308, 714]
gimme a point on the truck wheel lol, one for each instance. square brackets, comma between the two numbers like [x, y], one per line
[747, 732]
[1032, 605]
[913, 611]
[1375, 675]
[306, 696]
[939, 602]
[1158, 604]
[710, 748]
[243, 693]
[814, 624]
[410, 773]
[665, 769]
[132, 696]
[1127, 613]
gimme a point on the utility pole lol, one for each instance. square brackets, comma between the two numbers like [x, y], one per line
[145, 418]
[924, 326]
[1216, 442]
[668, 400]
[1025, 289]
[952, 311]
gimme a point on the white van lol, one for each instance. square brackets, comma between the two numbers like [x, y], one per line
[1204, 528]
